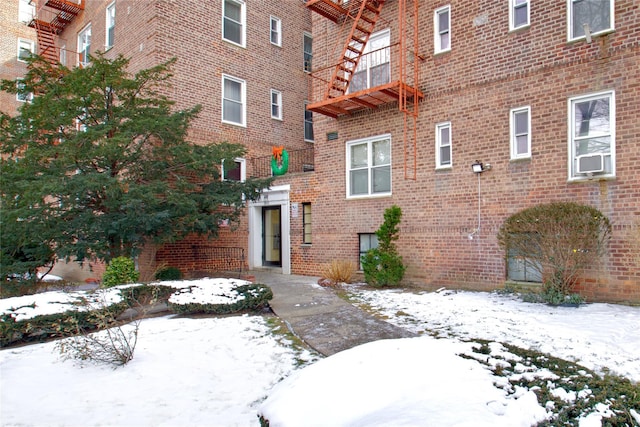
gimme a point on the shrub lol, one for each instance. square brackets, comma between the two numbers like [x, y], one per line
[247, 297]
[339, 271]
[383, 266]
[169, 273]
[559, 240]
[121, 270]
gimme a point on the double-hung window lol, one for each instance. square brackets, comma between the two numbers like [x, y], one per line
[234, 22]
[369, 167]
[443, 145]
[26, 11]
[233, 100]
[306, 223]
[520, 132]
[307, 52]
[110, 26]
[592, 135]
[26, 48]
[276, 31]
[442, 29]
[84, 45]
[234, 170]
[592, 16]
[276, 104]
[518, 14]
[373, 68]
[308, 124]
[21, 93]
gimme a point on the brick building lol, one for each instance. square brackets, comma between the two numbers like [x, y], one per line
[404, 96]
[546, 93]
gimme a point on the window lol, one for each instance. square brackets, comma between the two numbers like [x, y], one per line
[520, 125]
[26, 48]
[442, 29]
[234, 170]
[26, 11]
[308, 124]
[373, 68]
[22, 95]
[522, 269]
[369, 167]
[592, 135]
[233, 100]
[110, 25]
[307, 47]
[367, 242]
[443, 145]
[63, 54]
[306, 223]
[276, 31]
[518, 14]
[276, 104]
[233, 22]
[84, 45]
[596, 14]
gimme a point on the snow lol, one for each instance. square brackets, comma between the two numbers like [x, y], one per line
[209, 371]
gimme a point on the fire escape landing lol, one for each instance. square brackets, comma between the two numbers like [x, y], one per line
[52, 17]
[359, 17]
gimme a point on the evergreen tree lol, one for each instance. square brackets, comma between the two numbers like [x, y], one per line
[98, 164]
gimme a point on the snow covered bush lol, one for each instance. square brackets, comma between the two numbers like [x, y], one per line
[225, 298]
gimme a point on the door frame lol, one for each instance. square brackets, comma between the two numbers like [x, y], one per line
[266, 243]
[274, 196]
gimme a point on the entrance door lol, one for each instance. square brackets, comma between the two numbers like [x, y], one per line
[271, 236]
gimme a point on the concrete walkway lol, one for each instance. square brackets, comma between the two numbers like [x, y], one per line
[319, 317]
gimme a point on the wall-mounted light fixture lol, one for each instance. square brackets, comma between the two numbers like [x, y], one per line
[477, 167]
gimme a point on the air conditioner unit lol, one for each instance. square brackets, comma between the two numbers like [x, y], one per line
[590, 163]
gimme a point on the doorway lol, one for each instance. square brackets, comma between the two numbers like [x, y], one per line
[271, 236]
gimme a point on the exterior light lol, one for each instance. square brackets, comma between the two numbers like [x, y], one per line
[477, 167]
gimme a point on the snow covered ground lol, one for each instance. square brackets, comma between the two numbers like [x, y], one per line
[218, 371]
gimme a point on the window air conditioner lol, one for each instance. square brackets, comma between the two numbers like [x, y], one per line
[590, 163]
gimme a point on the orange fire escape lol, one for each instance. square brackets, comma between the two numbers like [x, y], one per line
[357, 19]
[52, 16]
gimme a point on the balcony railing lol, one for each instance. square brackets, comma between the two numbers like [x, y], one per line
[299, 161]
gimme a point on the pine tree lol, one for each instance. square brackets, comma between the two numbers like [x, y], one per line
[98, 164]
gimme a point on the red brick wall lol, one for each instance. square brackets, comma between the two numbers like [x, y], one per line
[488, 72]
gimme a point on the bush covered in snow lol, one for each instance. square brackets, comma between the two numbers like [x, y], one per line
[64, 313]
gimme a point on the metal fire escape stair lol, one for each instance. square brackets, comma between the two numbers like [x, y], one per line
[52, 16]
[365, 15]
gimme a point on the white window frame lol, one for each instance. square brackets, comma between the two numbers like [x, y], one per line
[110, 22]
[438, 32]
[307, 65]
[370, 59]
[243, 100]
[63, 55]
[513, 6]
[83, 49]
[19, 98]
[570, 14]
[30, 46]
[243, 169]
[275, 35]
[26, 11]
[514, 134]
[308, 119]
[610, 163]
[440, 145]
[369, 167]
[276, 103]
[242, 23]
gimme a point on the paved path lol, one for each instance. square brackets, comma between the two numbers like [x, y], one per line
[319, 317]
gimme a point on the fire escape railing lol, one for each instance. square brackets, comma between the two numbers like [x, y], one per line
[301, 160]
[52, 17]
